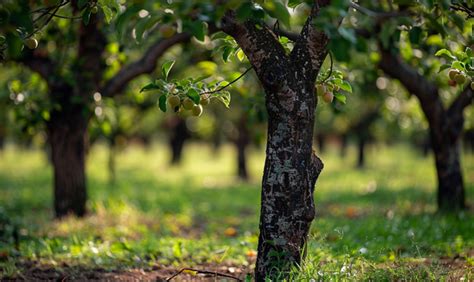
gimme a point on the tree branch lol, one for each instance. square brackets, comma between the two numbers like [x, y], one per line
[463, 100]
[312, 44]
[145, 64]
[259, 44]
[415, 83]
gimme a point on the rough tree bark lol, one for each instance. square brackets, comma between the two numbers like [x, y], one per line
[445, 126]
[291, 166]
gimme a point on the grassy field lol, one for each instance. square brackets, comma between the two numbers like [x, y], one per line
[378, 223]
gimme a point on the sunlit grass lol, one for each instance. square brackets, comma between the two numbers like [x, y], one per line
[369, 221]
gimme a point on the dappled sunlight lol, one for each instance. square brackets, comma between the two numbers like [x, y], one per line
[197, 214]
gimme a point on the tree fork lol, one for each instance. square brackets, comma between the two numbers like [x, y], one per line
[291, 166]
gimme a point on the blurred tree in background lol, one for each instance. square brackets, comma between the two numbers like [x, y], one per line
[70, 66]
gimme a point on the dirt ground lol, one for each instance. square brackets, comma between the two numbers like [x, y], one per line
[32, 271]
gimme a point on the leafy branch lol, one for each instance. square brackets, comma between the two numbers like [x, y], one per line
[229, 84]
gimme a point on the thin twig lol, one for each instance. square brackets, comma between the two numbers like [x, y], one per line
[67, 17]
[374, 14]
[227, 85]
[204, 272]
[51, 15]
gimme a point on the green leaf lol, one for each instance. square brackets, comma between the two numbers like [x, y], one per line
[469, 52]
[108, 13]
[197, 28]
[194, 95]
[415, 35]
[340, 97]
[224, 97]
[458, 65]
[123, 20]
[346, 86]
[162, 103]
[294, 3]
[86, 16]
[443, 67]
[166, 67]
[149, 87]
[240, 55]
[14, 45]
[227, 52]
[445, 53]
[143, 25]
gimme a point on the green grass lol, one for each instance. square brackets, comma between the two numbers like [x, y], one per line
[378, 223]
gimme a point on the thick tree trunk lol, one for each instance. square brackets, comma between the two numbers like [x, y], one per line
[446, 126]
[67, 138]
[449, 174]
[67, 127]
[291, 167]
[178, 137]
[241, 144]
[290, 173]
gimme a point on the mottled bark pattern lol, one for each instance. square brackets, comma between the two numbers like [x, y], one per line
[291, 167]
[446, 127]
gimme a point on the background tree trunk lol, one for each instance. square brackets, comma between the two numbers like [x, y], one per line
[344, 143]
[67, 138]
[321, 141]
[446, 126]
[361, 143]
[179, 135]
[242, 142]
[449, 174]
[112, 160]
